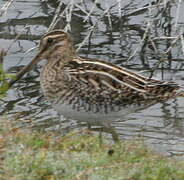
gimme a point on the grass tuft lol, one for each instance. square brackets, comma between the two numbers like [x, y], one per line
[33, 155]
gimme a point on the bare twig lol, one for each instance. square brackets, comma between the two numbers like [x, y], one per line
[91, 11]
[172, 44]
[69, 16]
[143, 9]
[56, 18]
[153, 45]
[119, 8]
[15, 39]
[60, 15]
[87, 37]
[182, 42]
[165, 3]
[141, 42]
[82, 9]
[163, 37]
[92, 28]
[109, 17]
[5, 7]
[177, 15]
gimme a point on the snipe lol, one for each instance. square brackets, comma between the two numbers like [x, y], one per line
[84, 88]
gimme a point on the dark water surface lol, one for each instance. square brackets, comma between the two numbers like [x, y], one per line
[117, 37]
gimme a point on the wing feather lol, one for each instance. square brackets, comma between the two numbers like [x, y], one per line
[101, 75]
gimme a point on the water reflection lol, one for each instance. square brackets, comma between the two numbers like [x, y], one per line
[117, 36]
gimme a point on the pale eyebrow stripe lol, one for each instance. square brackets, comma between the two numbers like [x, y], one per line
[55, 36]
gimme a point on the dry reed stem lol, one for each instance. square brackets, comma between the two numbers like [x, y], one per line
[172, 44]
[182, 42]
[69, 11]
[92, 27]
[5, 7]
[91, 11]
[56, 18]
[177, 16]
[144, 8]
[145, 35]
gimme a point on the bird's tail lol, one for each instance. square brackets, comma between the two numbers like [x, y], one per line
[180, 94]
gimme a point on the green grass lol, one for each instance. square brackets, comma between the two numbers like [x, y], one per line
[31, 155]
[4, 86]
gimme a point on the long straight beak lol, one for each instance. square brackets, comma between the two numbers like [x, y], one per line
[25, 69]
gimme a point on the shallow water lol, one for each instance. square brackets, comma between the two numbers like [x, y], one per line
[160, 125]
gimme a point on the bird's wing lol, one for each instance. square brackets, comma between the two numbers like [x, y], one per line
[103, 86]
[102, 75]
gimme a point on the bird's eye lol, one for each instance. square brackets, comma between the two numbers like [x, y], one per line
[50, 40]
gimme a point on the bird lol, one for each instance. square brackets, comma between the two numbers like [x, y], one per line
[87, 89]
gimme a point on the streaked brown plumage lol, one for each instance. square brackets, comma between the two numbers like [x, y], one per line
[92, 86]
